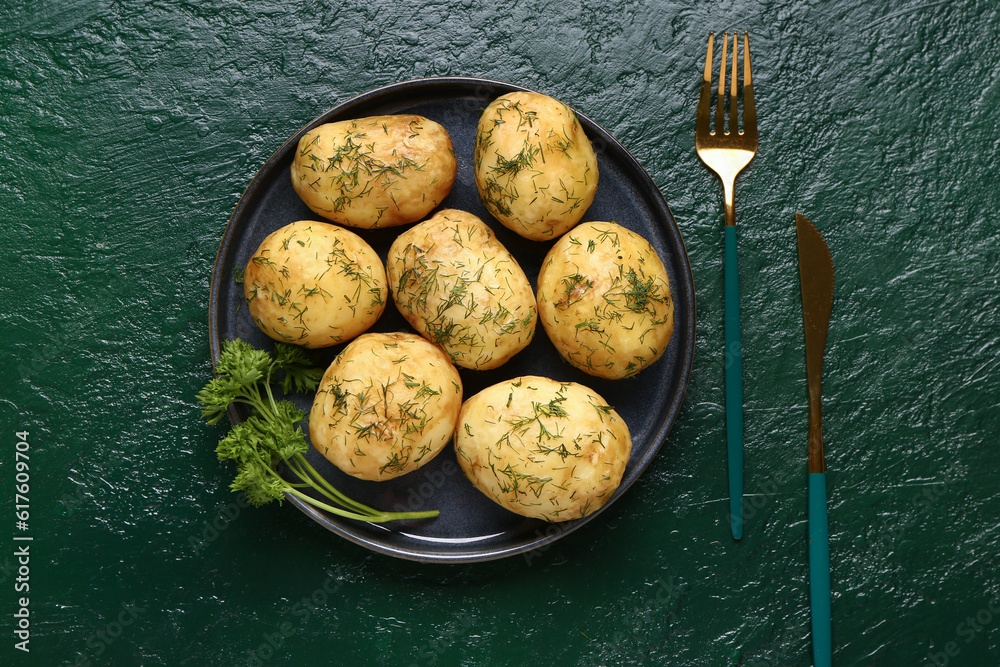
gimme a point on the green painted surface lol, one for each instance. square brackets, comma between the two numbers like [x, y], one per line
[127, 133]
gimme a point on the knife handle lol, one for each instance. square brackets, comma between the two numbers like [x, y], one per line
[734, 383]
[819, 571]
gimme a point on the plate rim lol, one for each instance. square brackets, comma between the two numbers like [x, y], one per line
[670, 228]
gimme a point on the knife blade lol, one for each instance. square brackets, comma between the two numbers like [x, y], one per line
[816, 277]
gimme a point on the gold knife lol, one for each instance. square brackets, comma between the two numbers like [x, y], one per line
[816, 276]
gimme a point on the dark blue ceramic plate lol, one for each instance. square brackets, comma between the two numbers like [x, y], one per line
[470, 526]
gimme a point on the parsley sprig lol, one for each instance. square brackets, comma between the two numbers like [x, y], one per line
[269, 437]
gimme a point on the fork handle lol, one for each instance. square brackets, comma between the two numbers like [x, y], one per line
[728, 201]
[734, 382]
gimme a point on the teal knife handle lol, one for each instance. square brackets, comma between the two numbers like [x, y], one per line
[734, 383]
[819, 570]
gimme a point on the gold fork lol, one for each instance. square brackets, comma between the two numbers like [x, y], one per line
[727, 153]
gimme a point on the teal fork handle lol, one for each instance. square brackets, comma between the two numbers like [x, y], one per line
[734, 383]
[819, 571]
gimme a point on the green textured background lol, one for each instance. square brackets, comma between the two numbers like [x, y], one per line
[128, 130]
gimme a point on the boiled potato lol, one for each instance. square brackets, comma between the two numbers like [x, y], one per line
[535, 168]
[378, 171]
[604, 300]
[386, 406]
[541, 448]
[457, 285]
[314, 284]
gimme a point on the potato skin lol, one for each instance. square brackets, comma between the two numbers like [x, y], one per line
[535, 168]
[460, 288]
[604, 300]
[386, 406]
[544, 449]
[378, 171]
[314, 284]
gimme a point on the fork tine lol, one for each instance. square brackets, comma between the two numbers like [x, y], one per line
[705, 102]
[708, 59]
[749, 110]
[733, 83]
[747, 79]
[720, 107]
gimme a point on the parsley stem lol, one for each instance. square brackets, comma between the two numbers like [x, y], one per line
[377, 517]
[295, 466]
[270, 396]
[329, 508]
[314, 476]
